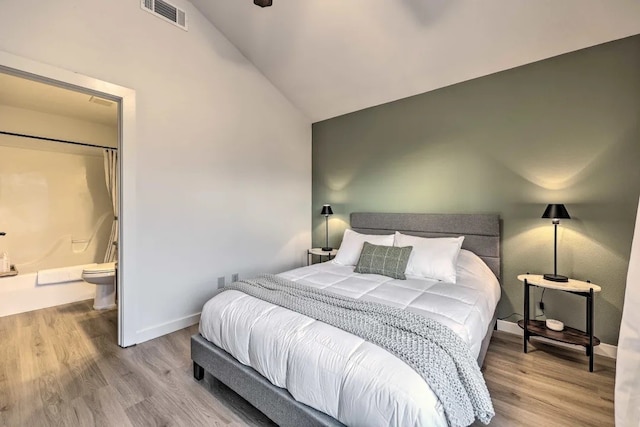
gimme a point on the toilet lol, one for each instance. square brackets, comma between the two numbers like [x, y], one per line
[104, 277]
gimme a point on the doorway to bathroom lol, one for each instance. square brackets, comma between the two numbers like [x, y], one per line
[61, 141]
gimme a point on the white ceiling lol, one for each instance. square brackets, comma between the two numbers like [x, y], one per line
[32, 95]
[332, 57]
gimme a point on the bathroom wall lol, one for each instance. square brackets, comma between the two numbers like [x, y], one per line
[31, 122]
[54, 204]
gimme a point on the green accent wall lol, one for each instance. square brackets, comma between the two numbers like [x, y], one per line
[563, 130]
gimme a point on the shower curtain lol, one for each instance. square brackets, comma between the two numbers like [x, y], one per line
[111, 177]
[627, 392]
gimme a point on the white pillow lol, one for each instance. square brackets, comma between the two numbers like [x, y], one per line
[433, 258]
[352, 243]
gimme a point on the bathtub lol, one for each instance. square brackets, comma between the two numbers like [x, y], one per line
[22, 293]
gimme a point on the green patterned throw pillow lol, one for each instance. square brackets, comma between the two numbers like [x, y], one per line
[390, 261]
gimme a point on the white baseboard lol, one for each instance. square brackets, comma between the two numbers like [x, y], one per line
[603, 349]
[166, 328]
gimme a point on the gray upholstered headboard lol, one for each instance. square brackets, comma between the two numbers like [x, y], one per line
[481, 231]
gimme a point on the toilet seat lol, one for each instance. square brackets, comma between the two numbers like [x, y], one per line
[100, 269]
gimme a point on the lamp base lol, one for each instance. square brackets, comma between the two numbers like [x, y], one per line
[555, 278]
[327, 249]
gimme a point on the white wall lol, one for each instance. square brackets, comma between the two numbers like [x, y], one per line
[223, 160]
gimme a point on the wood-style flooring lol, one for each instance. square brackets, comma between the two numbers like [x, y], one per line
[548, 386]
[61, 366]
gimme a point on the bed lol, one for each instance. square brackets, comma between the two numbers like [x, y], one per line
[468, 308]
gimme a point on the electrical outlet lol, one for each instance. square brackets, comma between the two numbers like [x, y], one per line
[234, 277]
[221, 282]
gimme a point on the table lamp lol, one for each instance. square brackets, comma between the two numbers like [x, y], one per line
[326, 211]
[556, 213]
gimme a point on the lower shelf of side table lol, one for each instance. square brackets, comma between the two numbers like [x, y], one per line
[568, 335]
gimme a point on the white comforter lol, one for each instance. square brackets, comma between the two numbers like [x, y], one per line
[354, 381]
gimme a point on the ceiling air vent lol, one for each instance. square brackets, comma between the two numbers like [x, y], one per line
[100, 101]
[166, 11]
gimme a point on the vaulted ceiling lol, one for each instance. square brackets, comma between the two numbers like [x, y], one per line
[331, 57]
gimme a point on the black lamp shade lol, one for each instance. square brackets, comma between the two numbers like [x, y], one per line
[326, 210]
[556, 212]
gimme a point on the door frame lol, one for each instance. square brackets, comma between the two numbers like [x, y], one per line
[126, 99]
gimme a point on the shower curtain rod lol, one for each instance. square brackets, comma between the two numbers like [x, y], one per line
[84, 144]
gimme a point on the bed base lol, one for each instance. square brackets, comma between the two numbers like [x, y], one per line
[275, 402]
[487, 339]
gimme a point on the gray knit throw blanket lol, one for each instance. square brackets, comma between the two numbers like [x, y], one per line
[430, 348]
